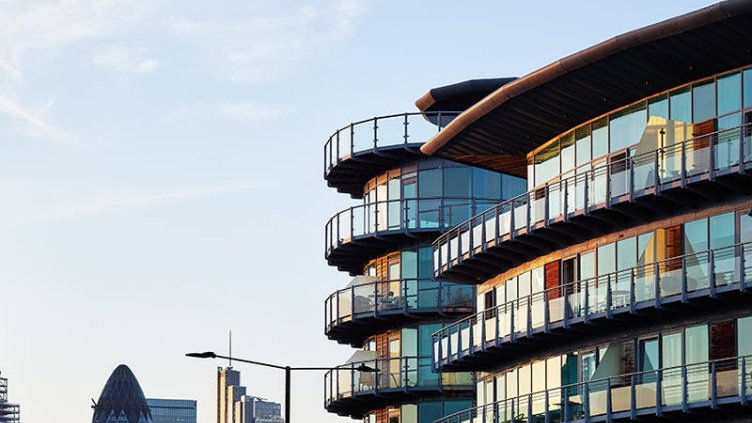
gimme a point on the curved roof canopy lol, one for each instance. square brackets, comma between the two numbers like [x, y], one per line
[459, 96]
[498, 131]
[122, 398]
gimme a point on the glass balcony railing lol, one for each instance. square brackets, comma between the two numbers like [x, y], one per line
[383, 131]
[388, 375]
[701, 158]
[383, 217]
[626, 396]
[675, 279]
[393, 297]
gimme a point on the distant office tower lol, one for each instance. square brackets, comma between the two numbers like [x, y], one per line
[251, 409]
[122, 400]
[172, 410]
[9, 413]
[234, 406]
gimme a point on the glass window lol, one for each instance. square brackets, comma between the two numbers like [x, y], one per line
[649, 355]
[606, 260]
[695, 236]
[539, 376]
[729, 93]
[722, 230]
[696, 349]
[512, 186]
[645, 248]
[703, 102]
[582, 145]
[456, 182]
[658, 106]
[425, 263]
[547, 163]
[680, 105]
[553, 372]
[626, 253]
[409, 263]
[672, 350]
[567, 152]
[428, 412]
[588, 365]
[409, 413]
[486, 184]
[600, 138]
[587, 265]
[744, 336]
[429, 183]
[627, 126]
[538, 279]
[524, 380]
[747, 88]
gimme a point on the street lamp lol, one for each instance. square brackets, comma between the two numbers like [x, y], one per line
[288, 370]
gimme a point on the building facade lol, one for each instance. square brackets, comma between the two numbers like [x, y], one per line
[616, 287]
[121, 400]
[172, 410]
[393, 304]
[9, 412]
[234, 406]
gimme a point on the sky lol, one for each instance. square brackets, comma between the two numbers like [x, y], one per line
[161, 173]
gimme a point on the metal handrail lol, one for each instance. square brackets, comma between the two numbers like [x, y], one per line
[403, 376]
[562, 186]
[371, 219]
[575, 398]
[585, 287]
[335, 151]
[400, 302]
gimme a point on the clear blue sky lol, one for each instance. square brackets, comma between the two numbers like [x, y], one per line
[160, 172]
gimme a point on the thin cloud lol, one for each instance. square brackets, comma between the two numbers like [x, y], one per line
[33, 122]
[101, 206]
[126, 59]
[270, 47]
[233, 111]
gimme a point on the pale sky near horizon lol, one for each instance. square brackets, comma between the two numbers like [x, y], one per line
[161, 173]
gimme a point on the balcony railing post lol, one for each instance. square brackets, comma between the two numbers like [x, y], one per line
[512, 334]
[608, 169]
[482, 233]
[632, 296]
[376, 300]
[513, 418]
[437, 362]
[743, 387]
[608, 399]
[741, 265]
[630, 175]
[684, 393]
[459, 341]
[529, 315]
[439, 122]
[546, 312]
[741, 149]
[656, 173]
[711, 159]
[470, 336]
[586, 401]
[375, 133]
[449, 344]
[656, 285]
[683, 164]
[529, 407]
[528, 205]
[586, 204]
[406, 130]
[609, 290]
[713, 386]
[586, 312]
[470, 239]
[482, 323]
[632, 399]
[497, 321]
[566, 305]
[565, 213]
[684, 279]
[496, 418]
[658, 392]
[547, 207]
[711, 272]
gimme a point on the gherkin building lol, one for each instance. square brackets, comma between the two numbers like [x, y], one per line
[122, 400]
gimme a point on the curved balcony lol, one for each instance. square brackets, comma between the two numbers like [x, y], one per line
[358, 234]
[666, 393]
[361, 310]
[702, 170]
[712, 279]
[358, 387]
[361, 150]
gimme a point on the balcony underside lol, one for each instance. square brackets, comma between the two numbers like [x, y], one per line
[352, 256]
[351, 173]
[357, 406]
[496, 353]
[356, 330]
[672, 198]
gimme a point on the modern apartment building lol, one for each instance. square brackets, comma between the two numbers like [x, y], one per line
[250, 409]
[393, 304]
[172, 410]
[617, 287]
[9, 412]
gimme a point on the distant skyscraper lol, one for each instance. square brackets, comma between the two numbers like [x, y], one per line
[234, 406]
[172, 410]
[122, 400]
[9, 413]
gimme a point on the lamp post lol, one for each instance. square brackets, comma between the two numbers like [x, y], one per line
[288, 370]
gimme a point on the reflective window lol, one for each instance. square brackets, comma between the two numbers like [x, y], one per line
[747, 88]
[722, 230]
[627, 126]
[680, 105]
[729, 94]
[567, 152]
[658, 106]
[429, 183]
[547, 164]
[744, 336]
[703, 102]
[600, 138]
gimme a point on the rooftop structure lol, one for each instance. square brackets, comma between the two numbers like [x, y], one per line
[9, 412]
